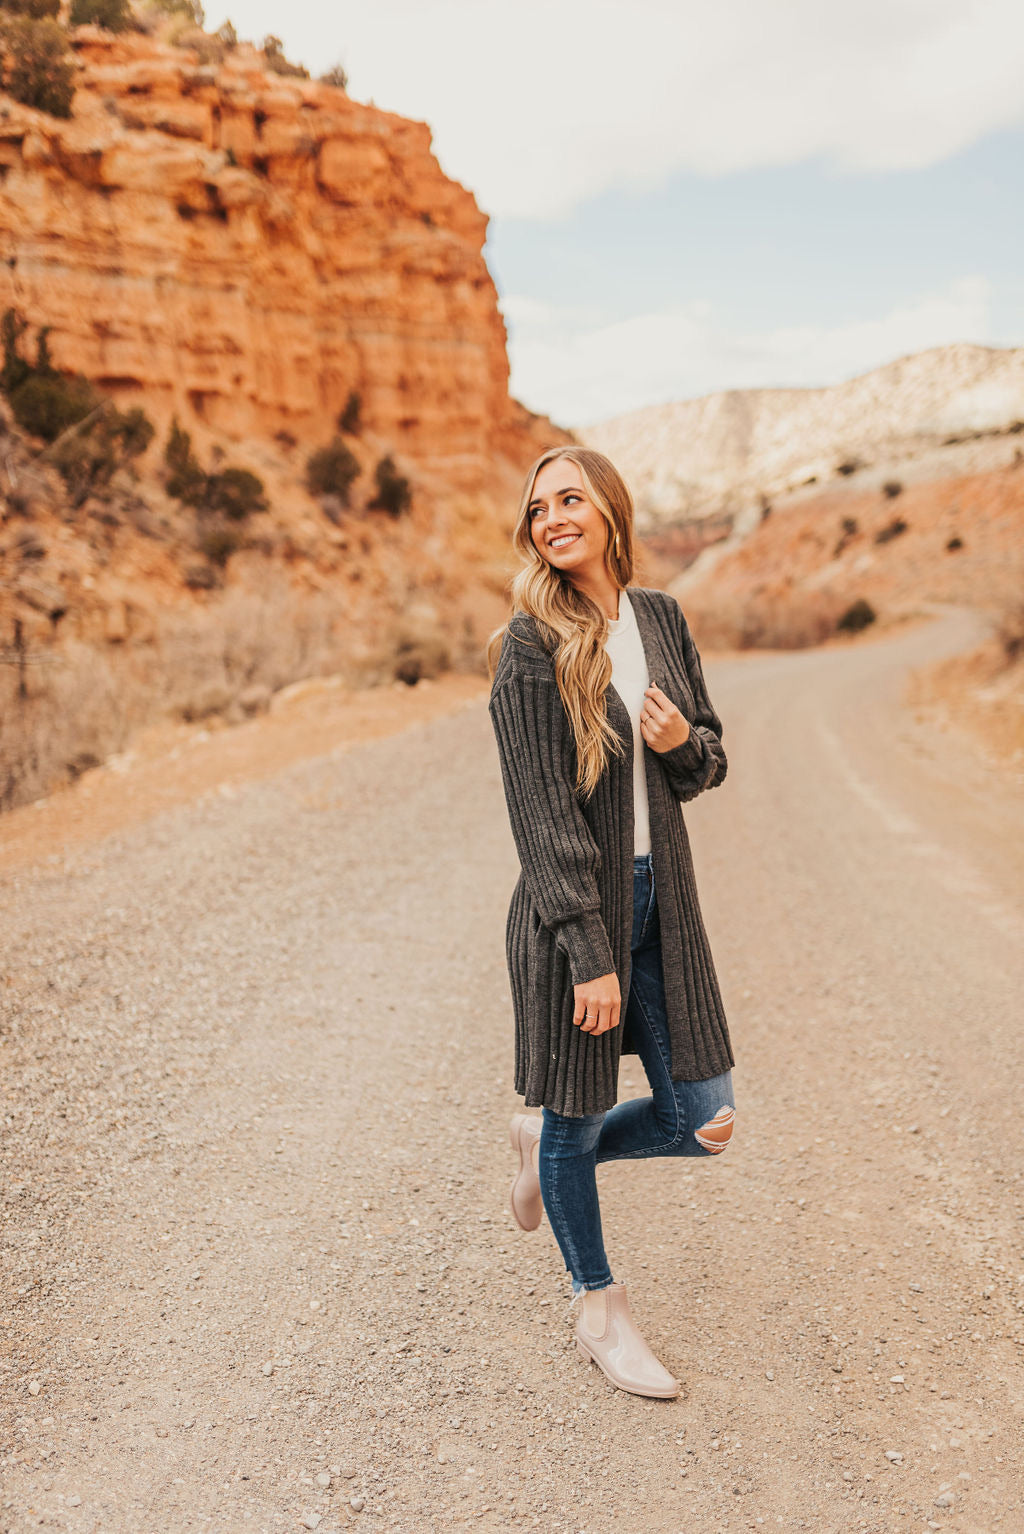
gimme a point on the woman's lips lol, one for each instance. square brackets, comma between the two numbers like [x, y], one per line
[563, 540]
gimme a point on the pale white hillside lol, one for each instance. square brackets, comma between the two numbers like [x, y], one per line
[723, 452]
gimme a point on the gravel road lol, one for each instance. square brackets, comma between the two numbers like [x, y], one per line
[259, 1268]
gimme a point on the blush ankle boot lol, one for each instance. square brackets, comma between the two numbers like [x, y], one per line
[605, 1333]
[524, 1199]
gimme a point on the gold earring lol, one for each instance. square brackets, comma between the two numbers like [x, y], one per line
[617, 544]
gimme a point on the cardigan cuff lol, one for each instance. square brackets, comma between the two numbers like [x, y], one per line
[688, 756]
[585, 940]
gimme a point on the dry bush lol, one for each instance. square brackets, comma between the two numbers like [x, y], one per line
[268, 637]
[1010, 629]
[780, 620]
[223, 659]
[75, 714]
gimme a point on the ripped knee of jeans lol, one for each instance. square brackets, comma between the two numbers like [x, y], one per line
[715, 1135]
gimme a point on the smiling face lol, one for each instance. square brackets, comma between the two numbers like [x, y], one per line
[566, 527]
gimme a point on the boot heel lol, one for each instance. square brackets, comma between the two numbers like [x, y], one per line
[581, 1350]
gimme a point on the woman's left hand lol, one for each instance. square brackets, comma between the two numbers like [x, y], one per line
[661, 724]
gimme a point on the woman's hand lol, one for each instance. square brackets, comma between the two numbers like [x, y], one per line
[661, 724]
[597, 1003]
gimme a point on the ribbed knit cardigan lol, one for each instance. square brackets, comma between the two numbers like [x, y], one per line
[571, 914]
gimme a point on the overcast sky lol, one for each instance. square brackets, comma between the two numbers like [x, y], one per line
[687, 197]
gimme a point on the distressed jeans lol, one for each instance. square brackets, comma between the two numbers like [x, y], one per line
[680, 1118]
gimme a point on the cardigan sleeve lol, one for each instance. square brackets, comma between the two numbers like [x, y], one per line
[700, 762]
[557, 851]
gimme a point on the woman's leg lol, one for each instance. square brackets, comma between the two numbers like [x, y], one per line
[680, 1118]
[568, 1187]
[567, 1156]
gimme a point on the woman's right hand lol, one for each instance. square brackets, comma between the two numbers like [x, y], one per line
[597, 1004]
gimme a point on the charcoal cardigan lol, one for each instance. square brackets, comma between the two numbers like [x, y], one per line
[571, 913]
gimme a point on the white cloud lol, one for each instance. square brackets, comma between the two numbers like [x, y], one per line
[579, 369]
[538, 105]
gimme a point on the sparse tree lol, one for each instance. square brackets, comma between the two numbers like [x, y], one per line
[394, 494]
[38, 68]
[331, 470]
[273, 52]
[112, 15]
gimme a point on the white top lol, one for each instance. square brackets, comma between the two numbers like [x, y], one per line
[630, 680]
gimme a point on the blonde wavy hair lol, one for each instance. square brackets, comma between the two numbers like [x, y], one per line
[572, 625]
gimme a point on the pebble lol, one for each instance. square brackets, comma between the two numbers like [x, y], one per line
[323, 1479]
[268, 1368]
[945, 1499]
[311, 1520]
[34, 1387]
[894, 1456]
[74, 1500]
[356, 1504]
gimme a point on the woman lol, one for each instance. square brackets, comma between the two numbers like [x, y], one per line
[603, 725]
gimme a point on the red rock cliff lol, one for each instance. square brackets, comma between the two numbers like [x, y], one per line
[245, 249]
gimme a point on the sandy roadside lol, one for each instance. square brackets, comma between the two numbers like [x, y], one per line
[173, 764]
[259, 1269]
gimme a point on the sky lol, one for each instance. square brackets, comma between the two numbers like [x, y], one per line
[687, 197]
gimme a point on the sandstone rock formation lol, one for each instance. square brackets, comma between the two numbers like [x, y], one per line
[244, 250]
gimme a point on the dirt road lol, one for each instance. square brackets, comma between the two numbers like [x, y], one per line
[258, 1057]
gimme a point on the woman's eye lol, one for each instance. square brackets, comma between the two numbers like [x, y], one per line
[571, 497]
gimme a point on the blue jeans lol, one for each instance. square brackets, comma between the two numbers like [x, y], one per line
[667, 1123]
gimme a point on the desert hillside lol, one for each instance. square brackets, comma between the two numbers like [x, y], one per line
[725, 453]
[256, 421]
[786, 517]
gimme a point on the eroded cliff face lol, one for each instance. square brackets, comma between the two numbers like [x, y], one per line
[245, 249]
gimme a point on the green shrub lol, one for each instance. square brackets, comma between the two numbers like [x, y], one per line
[227, 35]
[186, 480]
[892, 530]
[89, 458]
[84, 460]
[131, 431]
[335, 76]
[273, 53]
[218, 543]
[15, 369]
[37, 9]
[112, 15]
[349, 420]
[48, 403]
[394, 494]
[891, 489]
[331, 470]
[235, 492]
[848, 466]
[38, 66]
[956, 542]
[856, 617]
